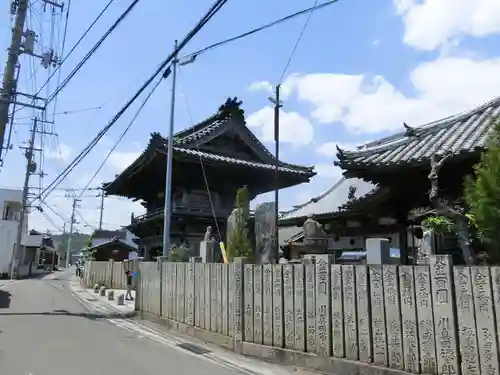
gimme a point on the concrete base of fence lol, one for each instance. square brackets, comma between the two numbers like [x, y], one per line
[282, 356]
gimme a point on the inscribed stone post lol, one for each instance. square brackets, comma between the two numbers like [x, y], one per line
[299, 307]
[207, 285]
[310, 273]
[337, 311]
[182, 274]
[425, 318]
[444, 318]
[467, 333]
[218, 270]
[257, 304]
[238, 299]
[409, 315]
[169, 286]
[278, 305]
[225, 308]
[393, 317]
[213, 297]
[267, 304]
[485, 320]
[190, 287]
[495, 279]
[379, 332]
[248, 303]
[265, 222]
[350, 321]
[288, 311]
[323, 301]
[363, 313]
[197, 295]
[230, 299]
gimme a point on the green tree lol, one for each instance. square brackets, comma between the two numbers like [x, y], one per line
[179, 253]
[238, 244]
[482, 193]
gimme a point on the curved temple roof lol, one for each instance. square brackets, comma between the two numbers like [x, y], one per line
[188, 141]
[462, 133]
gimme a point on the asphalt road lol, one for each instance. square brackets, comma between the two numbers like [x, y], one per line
[44, 330]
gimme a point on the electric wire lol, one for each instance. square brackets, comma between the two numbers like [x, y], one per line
[50, 221]
[122, 135]
[89, 28]
[205, 178]
[65, 219]
[259, 29]
[91, 52]
[69, 112]
[78, 213]
[304, 27]
[203, 21]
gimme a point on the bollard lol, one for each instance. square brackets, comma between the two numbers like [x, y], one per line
[111, 295]
[102, 291]
[96, 288]
[120, 301]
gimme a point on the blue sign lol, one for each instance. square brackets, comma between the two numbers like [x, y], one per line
[134, 273]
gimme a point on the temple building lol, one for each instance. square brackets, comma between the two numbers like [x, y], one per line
[211, 161]
[391, 178]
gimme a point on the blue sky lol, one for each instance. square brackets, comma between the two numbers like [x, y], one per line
[361, 69]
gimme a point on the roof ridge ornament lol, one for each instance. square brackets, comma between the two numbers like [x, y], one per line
[410, 131]
[232, 106]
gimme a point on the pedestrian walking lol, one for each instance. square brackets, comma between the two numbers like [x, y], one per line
[128, 295]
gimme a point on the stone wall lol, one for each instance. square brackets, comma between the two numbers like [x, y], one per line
[428, 319]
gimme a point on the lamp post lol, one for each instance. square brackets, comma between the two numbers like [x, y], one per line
[277, 106]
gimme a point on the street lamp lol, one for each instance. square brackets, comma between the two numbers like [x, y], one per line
[277, 106]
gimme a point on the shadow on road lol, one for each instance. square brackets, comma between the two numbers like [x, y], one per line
[64, 313]
[4, 299]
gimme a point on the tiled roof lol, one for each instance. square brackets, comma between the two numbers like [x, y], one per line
[331, 201]
[459, 134]
[245, 163]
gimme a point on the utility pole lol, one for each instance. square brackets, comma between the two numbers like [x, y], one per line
[30, 169]
[19, 8]
[277, 106]
[167, 211]
[23, 41]
[102, 209]
[68, 251]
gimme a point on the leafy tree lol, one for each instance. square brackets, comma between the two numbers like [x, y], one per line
[482, 193]
[179, 253]
[238, 244]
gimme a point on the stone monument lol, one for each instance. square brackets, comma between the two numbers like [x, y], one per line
[208, 247]
[265, 241]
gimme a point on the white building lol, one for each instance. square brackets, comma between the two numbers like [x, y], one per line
[10, 209]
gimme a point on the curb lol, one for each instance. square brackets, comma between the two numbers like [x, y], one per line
[97, 306]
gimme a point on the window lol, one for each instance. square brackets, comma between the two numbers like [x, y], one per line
[11, 211]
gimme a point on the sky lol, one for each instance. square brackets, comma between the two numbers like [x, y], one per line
[361, 69]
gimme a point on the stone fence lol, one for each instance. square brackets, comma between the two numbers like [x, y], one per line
[110, 274]
[424, 319]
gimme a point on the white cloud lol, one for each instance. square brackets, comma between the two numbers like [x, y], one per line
[61, 152]
[120, 160]
[294, 128]
[430, 24]
[261, 86]
[371, 104]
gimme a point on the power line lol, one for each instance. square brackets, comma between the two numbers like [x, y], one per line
[55, 212]
[203, 21]
[91, 52]
[261, 28]
[76, 44]
[298, 40]
[69, 112]
[122, 135]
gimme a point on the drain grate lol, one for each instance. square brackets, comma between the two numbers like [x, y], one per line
[193, 348]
